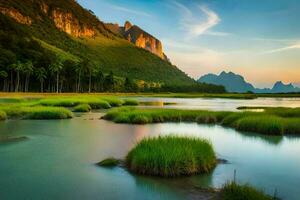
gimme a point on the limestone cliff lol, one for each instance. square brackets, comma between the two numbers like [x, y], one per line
[15, 14]
[139, 37]
[66, 22]
[81, 23]
[142, 39]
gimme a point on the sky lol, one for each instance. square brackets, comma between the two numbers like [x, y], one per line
[259, 39]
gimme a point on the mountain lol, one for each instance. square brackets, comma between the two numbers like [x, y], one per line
[280, 87]
[32, 30]
[236, 83]
[139, 37]
[232, 82]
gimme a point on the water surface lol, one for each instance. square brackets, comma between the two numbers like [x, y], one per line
[58, 160]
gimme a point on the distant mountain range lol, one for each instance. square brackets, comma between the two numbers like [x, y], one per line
[236, 83]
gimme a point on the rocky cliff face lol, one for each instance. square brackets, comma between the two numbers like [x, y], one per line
[139, 37]
[65, 21]
[16, 15]
[142, 39]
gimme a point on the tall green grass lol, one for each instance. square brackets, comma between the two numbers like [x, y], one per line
[130, 102]
[36, 112]
[233, 191]
[71, 102]
[2, 115]
[171, 156]
[269, 122]
[96, 102]
[82, 108]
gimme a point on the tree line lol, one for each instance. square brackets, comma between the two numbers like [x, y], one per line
[25, 66]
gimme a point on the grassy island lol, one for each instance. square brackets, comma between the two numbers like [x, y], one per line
[2, 115]
[36, 112]
[82, 108]
[272, 121]
[56, 107]
[171, 156]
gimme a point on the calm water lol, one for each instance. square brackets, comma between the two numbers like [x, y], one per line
[221, 104]
[58, 160]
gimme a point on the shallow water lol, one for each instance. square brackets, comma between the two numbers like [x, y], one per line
[220, 103]
[58, 160]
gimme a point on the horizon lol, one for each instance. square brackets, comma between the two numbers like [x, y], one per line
[202, 37]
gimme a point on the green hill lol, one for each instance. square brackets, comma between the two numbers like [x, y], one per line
[59, 46]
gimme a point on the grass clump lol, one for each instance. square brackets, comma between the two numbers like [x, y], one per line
[37, 112]
[95, 103]
[113, 101]
[48, 113]
[267, 124]
[171, 156]
[233, 191]
[109, 162]
[2, 115]
[82, 108]
[130, 102]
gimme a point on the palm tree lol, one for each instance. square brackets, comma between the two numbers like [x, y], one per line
[55, 68]
[17, 68]
[27, 69]
[41, 76]
[78, 71]
[3, 75]
[91, 70]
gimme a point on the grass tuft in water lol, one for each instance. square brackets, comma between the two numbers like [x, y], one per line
[82, 108]
[2, 115]
[109, 162]
[233, 191]
[130, 102]
[171, 156]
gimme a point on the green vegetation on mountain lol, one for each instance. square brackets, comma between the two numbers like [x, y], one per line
[58, 46]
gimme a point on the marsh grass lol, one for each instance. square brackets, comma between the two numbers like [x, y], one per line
[71, 102]
[267, 124]
[82, 108]
[233, 191]
[100, 102]
[130, 102]
[276, 121]
[36, 112]
[2, 115]
[171, 156]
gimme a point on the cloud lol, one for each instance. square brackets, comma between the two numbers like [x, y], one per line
[197, 25]
[290, 47]
[135, 12]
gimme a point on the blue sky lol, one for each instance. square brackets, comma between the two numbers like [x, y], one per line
[259, 39]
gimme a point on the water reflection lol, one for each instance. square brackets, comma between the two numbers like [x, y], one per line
[219, 104]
